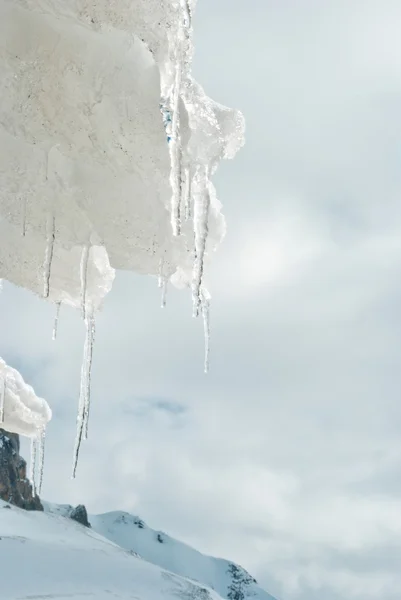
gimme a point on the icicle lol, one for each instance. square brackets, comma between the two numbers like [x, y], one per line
[164, 293]
[160, 277]
[84, 277]
[182, 60]
[176, 156]
[162, 283]
[187, 194]
[90, 333]
[205, 303]
[85, 391]
[50, 238]
[32, 475]
[41, 441]
[78, 436]
[201, 230]
[187, 13]
[56, 318]
[2, 398]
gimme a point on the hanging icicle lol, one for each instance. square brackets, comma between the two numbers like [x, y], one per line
[50, 238]
[162, 284]
[85, 388]
[187, 195]
[41, 442]
[201, 230]
[205, 304]
[3, 385]
[164, 293]
[182, 61]
[84, 277]
[176, 157]
[90, 341]
[161, 274]
[32, 475]
[56, 318]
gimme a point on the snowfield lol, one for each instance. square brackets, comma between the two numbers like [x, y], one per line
[47, 556]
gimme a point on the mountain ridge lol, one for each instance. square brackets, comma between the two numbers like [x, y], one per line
[228, 579]
[40, 532]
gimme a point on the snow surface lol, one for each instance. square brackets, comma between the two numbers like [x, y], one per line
[131, 533]
[107, 146]
[45, 556]
[84, 159]
[22, 411]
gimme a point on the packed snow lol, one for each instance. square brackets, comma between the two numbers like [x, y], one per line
[23, 412]
[107, 147]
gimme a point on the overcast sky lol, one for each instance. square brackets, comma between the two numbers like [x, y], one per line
[287, 457]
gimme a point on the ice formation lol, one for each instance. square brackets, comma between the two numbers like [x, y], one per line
[107, 146]
[56, 320]
[23, 412]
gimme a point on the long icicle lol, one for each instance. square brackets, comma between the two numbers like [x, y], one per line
[80, 428]
[84, 395]
[41, 442]
[201, 231]
[47, 266]
[164, 293]
[84, 277]
[90, 333]
[3, 385]
[56, 318]
[162, 283]
[205, 304]
[187, 194]
[181, 66]
[32, 475]
[176, 155]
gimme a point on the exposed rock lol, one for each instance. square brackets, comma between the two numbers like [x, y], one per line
[80, 515]
[15, 487]
[240, 583]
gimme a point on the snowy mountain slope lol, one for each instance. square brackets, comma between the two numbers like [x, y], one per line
[45, 556]
[127, 531]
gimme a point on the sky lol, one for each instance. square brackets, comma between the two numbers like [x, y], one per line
[287, 457]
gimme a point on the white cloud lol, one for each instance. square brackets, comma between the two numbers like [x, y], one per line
[287, 456]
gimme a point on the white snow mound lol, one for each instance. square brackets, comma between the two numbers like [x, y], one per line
[84, 159]
[21, 410]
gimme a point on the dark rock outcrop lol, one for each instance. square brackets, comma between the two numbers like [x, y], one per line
[80, 515]
[15, 487]
[240, 583]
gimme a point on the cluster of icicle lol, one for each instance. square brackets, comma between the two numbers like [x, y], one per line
[189, 182]
[190, 203]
